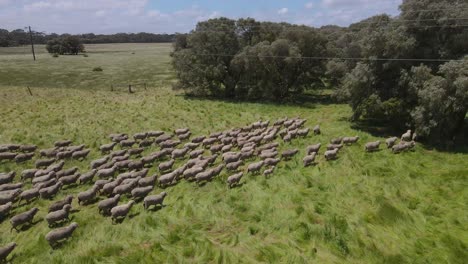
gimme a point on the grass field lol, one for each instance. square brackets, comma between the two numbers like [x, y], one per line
[360, 208]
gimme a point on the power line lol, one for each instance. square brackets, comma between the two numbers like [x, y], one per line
[325, 58]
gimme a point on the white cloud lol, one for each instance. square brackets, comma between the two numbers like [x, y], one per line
[283, 11]
[309, 5]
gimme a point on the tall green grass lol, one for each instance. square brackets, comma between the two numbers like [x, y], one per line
[361, 208]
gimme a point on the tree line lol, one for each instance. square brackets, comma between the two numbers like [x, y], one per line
[409, 71]
[19, 37]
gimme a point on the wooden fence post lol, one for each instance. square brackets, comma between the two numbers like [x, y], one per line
[145, 86]
[130, 88]
[112, 87]
[30, 92]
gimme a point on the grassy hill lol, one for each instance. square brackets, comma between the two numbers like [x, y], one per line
[361, 208]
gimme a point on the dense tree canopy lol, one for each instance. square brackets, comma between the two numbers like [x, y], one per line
[409, 71]
[65, 45]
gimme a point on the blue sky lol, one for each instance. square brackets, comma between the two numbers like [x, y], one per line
[168, 16]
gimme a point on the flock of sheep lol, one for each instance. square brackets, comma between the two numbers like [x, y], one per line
[124, 171]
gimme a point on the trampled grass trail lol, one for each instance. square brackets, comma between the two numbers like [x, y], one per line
[361, 208]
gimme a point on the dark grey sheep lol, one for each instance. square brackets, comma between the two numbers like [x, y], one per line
[234, 179]
[309, 159]
[45, 184]
[106, 173]
[402, 146]
[147, 181]
[28, 174]
[166, 179]
[49, 192]
[165, 166]
[226, 148]
[338, 140]
[179, 153]
[43, 163]
[135, 151]
[246, 154]
[191, 145]
[141, 192]
[169, 143]
[44, 178]
[67, 172]
[6, 250]
[29, 195]
[234, 165]
[372, 146]
[316, 130]
[255, 167]
[81, 154]
[209, 141]
[211, 159]
[23, 218]
[58, 216]
[7, 156]
[267, 154]
[50, 153]
[135, 165]
[59, 234]
[5, 209]
[122, 165]
[406, 136]
[181, 131]
[233, 157]
[75, 148]
[331, 154]
[280, 122]
[162, 138]
[56, 166]
[198, 140]
[287, 154]
[390, 142]
[125, 175]
[148, 160]
[62, 143]
[155, 200]
[146, 143]
[100, 183]
[106, 148]
[60, 204]
[303, 132]
[108, 188]
[192, 172]
[269, 171]
[7, 177]
[64, 154]
[119, 138]
[140, 136]
[106, 205]
[40, 173]
[140, 173]
[155, 133]
[70, 179]
[184, 136]
[334, 146]
[121, 211]
[271, 161]
[99, 162]
[88, 195]
[117, 153]
[10, 186]
[28, 148]
[196, 153]
[313, 148]
[87, 177]
[126, 187]
[350, 140]
[204, 176]
[23, 157]
[128, 143]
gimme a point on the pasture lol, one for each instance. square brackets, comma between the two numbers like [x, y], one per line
[361, 208]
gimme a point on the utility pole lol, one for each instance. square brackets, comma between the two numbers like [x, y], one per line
[32, 43]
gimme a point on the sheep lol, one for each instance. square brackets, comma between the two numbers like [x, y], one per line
[59, 234]
[23, 218]
[313, 148]
[234, 179]
[120, 158]
[146, 143]
[234, 165]
[303, 132]
[271, 161]
[135, 165]
[100, 183]
[269, 171]
[147, 181]
[10, 186]
[390, 142]
[45, 184]
[87, 177]
[309, 159]
[128, 143]
[196, 153]
[337, 141]
[179, 153]
[211, 159]
[7, 177]
[233, 157]
[165, 166]
[118, 137]
[43, 163]
[122, 165]
[28, 174]
[49, 192]
[117, 153]
[70, 179]
[148, 160]
[192, 172]
[140, 173]
[287, 138]
[287, 154]
[49, 153]
[106, 205]
[60, 204]
[216, 148]
[204, 176]
[280, 122]
[334, 146]
[7, 156]
[162, 138]
[106, 173]
[185, 136]
[88, 195]
[136, 151]
[56, 166]
[166, 179]
[403, 146]
[181, 131]
[169, 143]
[227, 140]
[226, 148]
[198, 140]
[106, 148]
[81, 154]
[350, 140]
[406, 136]
[62, 143]
[29, 195]
[6, 250]
[5, 209]
[55, 217]
[64, 154]
[121, 211]
[66, 172]
[141, 192]
[267, 154]
[155, 200]
[155, 133]
[331, 154]
[372, 146]
[126, 186]
[108, 188]
[140, 136]
[75, 148]
[99, 162]
[255, 167]
[28, 148]
[209, 141]
[246, 154]
[23, 157]
[44, 178]
[217, 170]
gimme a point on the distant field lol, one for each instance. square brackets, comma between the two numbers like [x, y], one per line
[121, 63]
[360, 208]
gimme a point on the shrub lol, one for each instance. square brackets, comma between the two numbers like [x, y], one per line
[85, 55]
[55, 55]
[97, 69]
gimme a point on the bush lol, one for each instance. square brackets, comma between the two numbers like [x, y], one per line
[97, 69]
[55, 55]
[85, 55]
